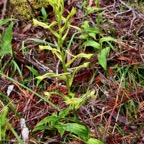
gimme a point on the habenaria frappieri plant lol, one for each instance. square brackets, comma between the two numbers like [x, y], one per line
[63, 24]
[59, 121]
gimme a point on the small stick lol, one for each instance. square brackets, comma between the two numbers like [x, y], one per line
[130, 9]
[4, 9]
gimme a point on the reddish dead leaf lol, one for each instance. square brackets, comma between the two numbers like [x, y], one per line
[111, 72]
[26, 28]
[21, 106]
[114, 139]
[26, 93]
[123, 58]
[123, 44]
[98, 79]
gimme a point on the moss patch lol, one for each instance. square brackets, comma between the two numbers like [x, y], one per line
[22, 9]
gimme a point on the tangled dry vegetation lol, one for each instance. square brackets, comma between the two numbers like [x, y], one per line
[115, 112]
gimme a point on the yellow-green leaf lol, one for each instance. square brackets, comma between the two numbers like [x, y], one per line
[88, 56]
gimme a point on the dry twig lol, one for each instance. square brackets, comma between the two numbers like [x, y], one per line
[129, 9]
[4, 9]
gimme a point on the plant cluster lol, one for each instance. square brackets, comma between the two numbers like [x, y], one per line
[103, 108]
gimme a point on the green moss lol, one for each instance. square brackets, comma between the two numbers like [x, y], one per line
[21, 8]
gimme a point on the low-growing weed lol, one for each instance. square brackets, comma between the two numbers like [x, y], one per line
[89, 36]
[5, 125]
[44, 14]
[6, 48]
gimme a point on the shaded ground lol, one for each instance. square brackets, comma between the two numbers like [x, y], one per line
[116, 113]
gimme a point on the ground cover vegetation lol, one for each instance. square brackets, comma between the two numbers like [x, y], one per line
[72, 72]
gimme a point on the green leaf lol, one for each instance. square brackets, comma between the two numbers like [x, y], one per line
[48, 48]
[78, 102]
[77, 129]
[59, 56]
[34, 71]
[65, 112]
[94, 141]
[92, 43]
[41, 41]
[54, 50]
[93, 35]
[60, 128]
[48, 94]
[51, 74]
[85, 25]
[3, 115]
[16, 67]
[3, 121]
[66, 25]
[99, 18]
[6, 47]
[84, 98]
[73, 101]
[65, 35]
[107, 39]
[41, 127]
[44, 13]
[91, 9]
[84, 36]
[4, 21]
[83, 55]
[46, 120]
[8, 34]
[102, 57]
[85, 65]
[44, 25]
[92, 30]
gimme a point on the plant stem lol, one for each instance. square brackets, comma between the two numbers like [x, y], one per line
[60, 45]
[76, 115]
[65, 70]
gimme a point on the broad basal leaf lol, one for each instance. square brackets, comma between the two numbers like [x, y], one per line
[102, 57]
[46, 120]
[107, 40]
[34, 71]
[77, 129]
[6, 47]
[92, 43]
